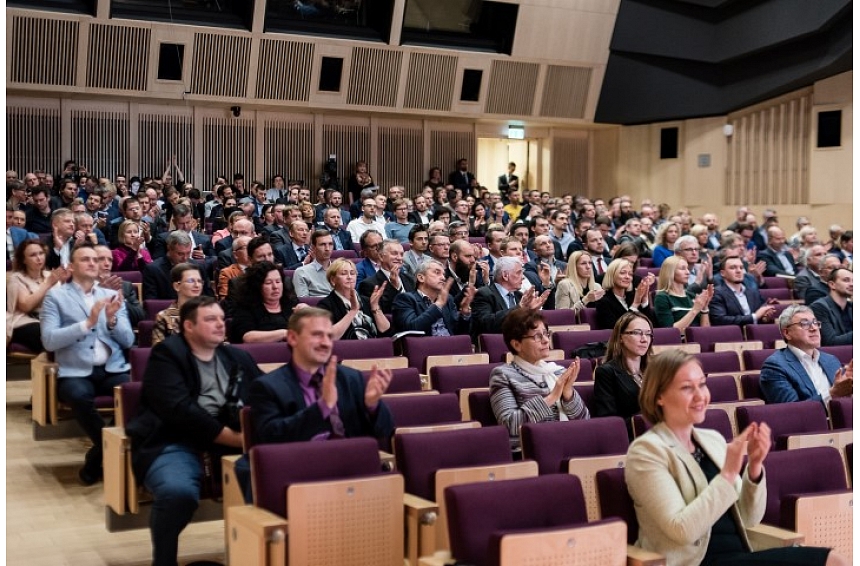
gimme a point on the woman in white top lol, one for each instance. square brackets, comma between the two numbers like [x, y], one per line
[578, 288]
[25, 290]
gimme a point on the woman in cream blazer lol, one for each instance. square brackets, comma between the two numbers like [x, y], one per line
[686, 483]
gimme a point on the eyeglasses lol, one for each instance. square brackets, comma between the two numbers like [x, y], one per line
[193, 281]
[441, 244]
[807, 324]
[639, 333]
[540, 336]
[697, 250]
[461, 233]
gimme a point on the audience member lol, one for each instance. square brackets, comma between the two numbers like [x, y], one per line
[87, 328]
[578, 289]
[734, 303]
[371, 247]
[131, 255]
[262, 307]
[431, 309]
[296, 252]
[39, 216]
[675, 304]
[156, 275]
[835, 312]
[665, 239]
[777, 256]
[310, 279]
[801, 371]
[110, 280]
[544, 271]
[367, 221]
[819, 289]
[392, 273]
[62, 238]
[333, 222]
[234, 270]
[354, 317]
[494, 302]
[188, 283]
[419, 242]
[530, 388]
[620, 294]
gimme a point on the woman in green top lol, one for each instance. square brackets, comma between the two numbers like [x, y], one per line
[674, 305]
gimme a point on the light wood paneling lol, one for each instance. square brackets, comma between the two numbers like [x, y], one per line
[31, 137]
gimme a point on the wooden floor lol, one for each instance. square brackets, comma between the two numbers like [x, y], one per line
[52, 520]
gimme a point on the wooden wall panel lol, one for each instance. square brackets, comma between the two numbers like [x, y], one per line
[114, 68]
[32, 142]
[44, 51]
[288, 150]
[570, 165]
[400, 162]
[228, 147]
[349, 144]
[160, 137]
[100, 140]
[447, 147]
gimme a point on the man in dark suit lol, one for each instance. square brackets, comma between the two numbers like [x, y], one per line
[156, 275]
[810, 276]
[735, 304]
[493, 302]
[391, 273]
[333, 222]
[313, 397]
[463, 266]
[800, 371]
[819, 289]
[14, 234]
[183, 220]
[544, 271]
[62, 238]
[371, 246]
[835, 312]
[462, 178]
[431, 309]
[293, 254]
[177, 422]
[509, 181]
[778, 260]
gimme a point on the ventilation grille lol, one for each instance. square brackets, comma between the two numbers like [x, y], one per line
[284, 72]
[220, 65]
[430, 81]
[373, 77]
[512, 88]
[288, 150]
[228, 147]
[570, 165]
[160, 137]
[768, 157]
[100, 141]
[350, 144]
[448, 147]
[565, 92]
[401, 157]
[44, 51]
[32, 139]
[118, 57]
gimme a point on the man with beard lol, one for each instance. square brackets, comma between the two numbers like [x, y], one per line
[835, 312]
[545, 270]
[463, 268]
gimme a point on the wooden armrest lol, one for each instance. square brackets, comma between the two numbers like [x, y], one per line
[255, 535]
[115, 448]
[441, 558]
[396, 362]
[604, 540]
[421, 508]
[762, 537]
[387, 460]
[421, 517]
[640, 557]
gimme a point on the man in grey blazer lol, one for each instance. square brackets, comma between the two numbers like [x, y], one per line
[86, 327]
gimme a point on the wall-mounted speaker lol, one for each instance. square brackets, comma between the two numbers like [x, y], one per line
[331, 70]
[830, 128]
[668, 143]
[471, 89]
[170, 59]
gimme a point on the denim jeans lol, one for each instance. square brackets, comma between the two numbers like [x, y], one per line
[174, 481]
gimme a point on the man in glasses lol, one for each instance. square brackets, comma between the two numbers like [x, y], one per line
[367, 221]
[800, 371]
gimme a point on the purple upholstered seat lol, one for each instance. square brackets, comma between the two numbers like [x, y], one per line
[588, 316]
[494, 346]
[844, 353]
[768, 334]
[664, 336]
[778, 294]
[450, 379]
[274, 467]
[422, 410]
[551, 444]
[403, 380]
[129, 394]
[785, 419]
[570, 341]
[719, 362]
[841, 412]
[418, 348]
[481, 409]
[707, 336]
[750, 386]
[310, 301]
[754, 359]
[274, 353]
[363, 349]
[155, 306]
[144, 333]
[419, 456]
[559, 317]
[615, 501]
[723, 388]
[138, 358]
[789, 474]
[478, 512]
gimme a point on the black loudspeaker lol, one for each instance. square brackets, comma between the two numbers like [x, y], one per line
[331, 70]
[170, 57]
[830, 128]
[471, 89]
[668, 143]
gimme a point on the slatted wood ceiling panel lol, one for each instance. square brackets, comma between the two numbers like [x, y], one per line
[32, 140]
[228, 147]
[569, 166]
[373, 77]
[565, 92]
[284, 70]
[162, 136]
[289, 150]
[768, 155]
[44, 51]
[350, 144]
[401, 155]
[430, 81]
[100, 141]
[447, 147]
[117, 57]
[220, 65]
[512, 88]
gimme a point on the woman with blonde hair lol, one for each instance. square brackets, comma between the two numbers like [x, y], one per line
[693, 496]
[353, 316]
[578, 289]
[621, 295]
[674, 305]
[665, 239]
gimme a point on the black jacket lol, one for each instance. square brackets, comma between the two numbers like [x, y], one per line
[169, 412]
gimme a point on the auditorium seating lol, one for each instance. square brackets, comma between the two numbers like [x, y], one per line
[570, 341]
[707, 336]
[786, 419]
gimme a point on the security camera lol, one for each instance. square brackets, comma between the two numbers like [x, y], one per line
[236, 110]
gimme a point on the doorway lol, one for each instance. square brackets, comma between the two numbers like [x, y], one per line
[494, 154]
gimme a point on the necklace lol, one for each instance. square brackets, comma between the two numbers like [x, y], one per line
[637, 378]
[698, 455]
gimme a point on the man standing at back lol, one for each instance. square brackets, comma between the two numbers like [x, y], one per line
[87, 328]
[193, 387]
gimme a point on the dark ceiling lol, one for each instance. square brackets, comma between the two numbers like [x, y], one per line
[679, 59]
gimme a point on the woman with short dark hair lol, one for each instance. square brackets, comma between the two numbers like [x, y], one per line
[263, 305]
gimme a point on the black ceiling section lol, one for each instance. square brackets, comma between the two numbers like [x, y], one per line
[678, 59]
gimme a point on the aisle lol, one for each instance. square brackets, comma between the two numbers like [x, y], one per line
[52, 520]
